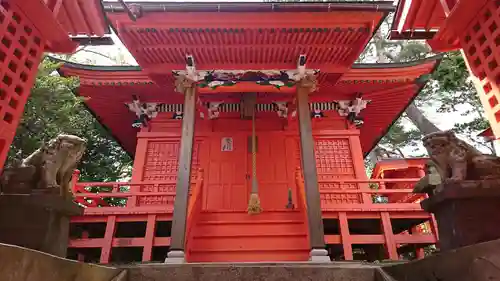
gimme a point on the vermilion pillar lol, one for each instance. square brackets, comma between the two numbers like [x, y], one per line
[481, 47]
[21, 48]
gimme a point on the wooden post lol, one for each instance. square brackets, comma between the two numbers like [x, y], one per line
[176, 254]
[345, 236]
[390, 244]
[108, 240]
[314, 216]
[149, 238]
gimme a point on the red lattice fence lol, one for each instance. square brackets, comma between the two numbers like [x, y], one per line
[21, 48]
[481, 46]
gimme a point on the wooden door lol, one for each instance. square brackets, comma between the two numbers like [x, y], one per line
[226, 179]
[273, 171]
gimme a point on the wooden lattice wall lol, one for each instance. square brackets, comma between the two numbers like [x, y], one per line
[21, 48]
[481, 47]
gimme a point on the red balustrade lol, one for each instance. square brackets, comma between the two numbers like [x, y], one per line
[99, 208]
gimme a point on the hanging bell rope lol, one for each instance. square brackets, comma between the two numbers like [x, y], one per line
[254, 202]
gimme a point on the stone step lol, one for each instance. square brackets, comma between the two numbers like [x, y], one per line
[349, 271]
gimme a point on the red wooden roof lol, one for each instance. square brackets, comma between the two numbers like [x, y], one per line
[390, 87]
[83, 17]
[417, 19]
[247, 35]
[441, 22]
[83, 20]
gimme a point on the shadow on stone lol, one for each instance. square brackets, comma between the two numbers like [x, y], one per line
[21, 264]
[480, 262]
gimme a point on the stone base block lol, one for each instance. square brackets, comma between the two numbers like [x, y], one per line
[38, 222]
[466, 213]
[175, 257]
[319, 255]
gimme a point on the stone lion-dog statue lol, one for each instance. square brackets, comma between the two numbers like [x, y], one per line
[47, 170]
[456, 160]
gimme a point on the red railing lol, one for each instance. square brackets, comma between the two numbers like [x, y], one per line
[351, 199]
[345, 194]
[343, 200]
[139, 197]
[194, 207]
[301, 195]
[336, 194]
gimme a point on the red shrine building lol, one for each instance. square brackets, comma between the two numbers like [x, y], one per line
[248, 124]
[242, 108]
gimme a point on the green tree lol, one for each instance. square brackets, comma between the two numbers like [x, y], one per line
[52, 109]
[448, 90]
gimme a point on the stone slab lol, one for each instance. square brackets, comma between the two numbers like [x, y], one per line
[45, 201]
[480, 262]
[252, 271]
[21, 264]
[38, 222]
[466, 213]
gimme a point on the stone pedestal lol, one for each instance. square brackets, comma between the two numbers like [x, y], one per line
[466, 212]
[39, 222]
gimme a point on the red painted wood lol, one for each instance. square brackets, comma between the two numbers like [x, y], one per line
[481, 47]
[388, 88]
[21, 48]
[273, 171]
[108, 240]
[52, 33]
[226, 185]
[400, 169]
[150, 233]
[237, 236]
[223, 231]
[345, 236]
[390, 243]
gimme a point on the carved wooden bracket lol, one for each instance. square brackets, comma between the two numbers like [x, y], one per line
[182, 83]
[282, 109]
[136, 10]
[309, 81]
[144, 112]
[351, 109]
[214, 109]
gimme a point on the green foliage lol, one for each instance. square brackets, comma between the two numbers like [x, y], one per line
[52, 109]
[399, 137]
[448, 91]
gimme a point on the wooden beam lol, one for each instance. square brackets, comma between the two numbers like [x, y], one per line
[184, 172]
[316, 233]
[445, 6]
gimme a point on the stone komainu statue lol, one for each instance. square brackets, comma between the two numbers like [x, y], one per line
[430, 182]
[48, 169]
[456, 160]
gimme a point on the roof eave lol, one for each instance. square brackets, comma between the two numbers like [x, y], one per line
[106, 128]
[111, 68]
[329, 6]
[437, 59]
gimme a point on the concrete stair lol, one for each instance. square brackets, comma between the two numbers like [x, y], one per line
[348, 271]
[239, 237]
[477, 262]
